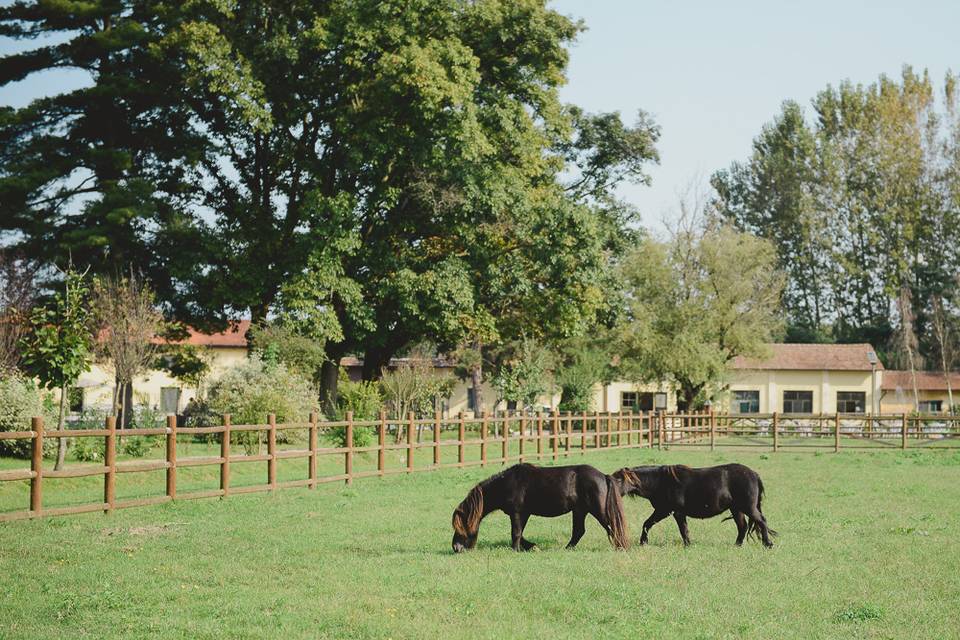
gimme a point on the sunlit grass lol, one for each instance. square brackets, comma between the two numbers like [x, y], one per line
[868, 547]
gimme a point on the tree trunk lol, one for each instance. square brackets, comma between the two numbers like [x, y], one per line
[329, 376]
[476, 379]
[61, 442]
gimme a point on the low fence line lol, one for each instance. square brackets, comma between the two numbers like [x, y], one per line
[554, 435]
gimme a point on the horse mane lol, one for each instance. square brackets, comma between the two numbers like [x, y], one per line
[674, 471]
[467, 515]
[627, 474]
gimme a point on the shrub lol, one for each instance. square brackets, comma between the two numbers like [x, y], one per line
[254, 389]
[365, 400]
[88, 449]
[21, 400]
[138, 446]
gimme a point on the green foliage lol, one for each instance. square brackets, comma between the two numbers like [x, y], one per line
[370, 174]
[21, 400]
[861, 202]
[278, 342]
[365, 399]
[583, 365]
[57, 348]
[524, 374]
[859, 613]
[251, 391]
[88, 449]
[414, 385]
[696, 303]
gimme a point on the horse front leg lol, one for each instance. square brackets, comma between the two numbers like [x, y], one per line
[682, 525]
[518, 521]
[649, 522]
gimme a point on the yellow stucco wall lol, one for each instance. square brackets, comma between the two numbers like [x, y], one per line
[98, 383]
[901, 401]
[824, 384]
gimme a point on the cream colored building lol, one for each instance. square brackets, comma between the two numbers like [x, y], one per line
[807, 378]
[795, 378]
[158, 388]
[934, 391]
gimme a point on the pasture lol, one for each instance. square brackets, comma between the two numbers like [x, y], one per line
[869, 547]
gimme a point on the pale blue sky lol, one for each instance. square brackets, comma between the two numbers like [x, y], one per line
[712, 73]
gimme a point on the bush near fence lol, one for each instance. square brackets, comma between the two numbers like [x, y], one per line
[515, 437]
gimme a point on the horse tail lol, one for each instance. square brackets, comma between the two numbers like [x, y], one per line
[616, 521]
[752, 528]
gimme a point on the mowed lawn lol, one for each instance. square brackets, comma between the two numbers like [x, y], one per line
[869, 547]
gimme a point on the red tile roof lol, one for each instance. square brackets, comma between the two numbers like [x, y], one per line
[926, 381]
[811, 357]
[234, 336]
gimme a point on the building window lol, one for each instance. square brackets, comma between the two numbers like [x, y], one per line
[75, 397]
[629, 400]
[660, 402]
[931, 406]
[798, 401]
[746, 401]
[851, 401]
[170, 400]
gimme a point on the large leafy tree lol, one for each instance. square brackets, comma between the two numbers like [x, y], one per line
[861, 204]
[694, 304]
[79, 170]
[371, 173]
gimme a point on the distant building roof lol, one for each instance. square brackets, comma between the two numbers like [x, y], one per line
[926, 381]
[234, 336]
[811, 357]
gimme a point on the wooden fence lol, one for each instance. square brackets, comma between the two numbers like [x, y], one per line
[500, 439]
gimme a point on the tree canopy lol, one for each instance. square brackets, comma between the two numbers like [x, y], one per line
[374, 173]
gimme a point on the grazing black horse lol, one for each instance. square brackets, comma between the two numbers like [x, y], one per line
[699, 493]
[526, 490]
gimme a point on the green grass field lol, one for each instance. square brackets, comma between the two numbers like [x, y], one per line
[869, 547]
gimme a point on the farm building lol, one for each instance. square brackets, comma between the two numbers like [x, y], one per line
[795, 378]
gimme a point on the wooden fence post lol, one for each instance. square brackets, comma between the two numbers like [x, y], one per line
[110, 462]
[619, 426]
[776, 429]
[649, 428]
[569, 432]
[436, 438]
[172, 457]
[505, 443]
[225, 454]
[348, 455]
[462, 433]
[597, 428]
[36, 466]
[272, 451]
[836, 432]
[583, 432]
[903, 432]
[382, 443]
[523, 432]
[556, 434]
[410, 442]
[662, 422]
[314, 445]
[713, 430]
[483, 438]
[539, 435]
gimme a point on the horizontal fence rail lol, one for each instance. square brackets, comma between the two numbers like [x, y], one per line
[490, 440]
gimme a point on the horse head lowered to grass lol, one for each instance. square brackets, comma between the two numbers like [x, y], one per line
[524, 490]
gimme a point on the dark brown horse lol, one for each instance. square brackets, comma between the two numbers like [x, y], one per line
[526, 490]
[699, 493]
